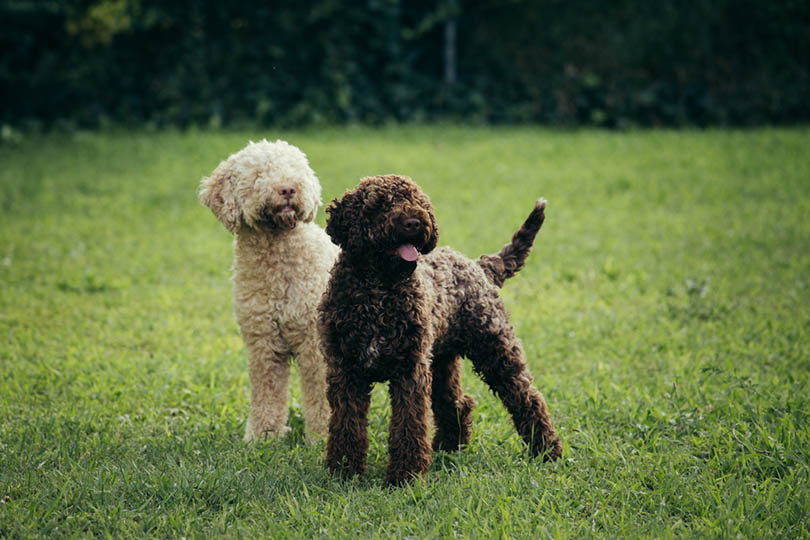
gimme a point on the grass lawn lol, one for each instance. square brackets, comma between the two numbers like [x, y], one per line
[664, 313]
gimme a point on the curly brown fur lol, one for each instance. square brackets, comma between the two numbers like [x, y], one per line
[396, 310]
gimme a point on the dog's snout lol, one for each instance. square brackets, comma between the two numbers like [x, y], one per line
[411, 225]
[288, 192]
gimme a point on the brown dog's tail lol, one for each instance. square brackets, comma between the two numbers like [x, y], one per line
[511, 257]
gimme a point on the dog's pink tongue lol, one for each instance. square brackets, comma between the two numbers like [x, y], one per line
[408, 252]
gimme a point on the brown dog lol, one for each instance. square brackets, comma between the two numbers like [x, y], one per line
[397, 311]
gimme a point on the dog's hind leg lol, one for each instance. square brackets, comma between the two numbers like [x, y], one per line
[408, 434]
[452, 408]
[498, 357]
[269, 371]
[312, 367]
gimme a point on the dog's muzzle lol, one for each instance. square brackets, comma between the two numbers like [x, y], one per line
[284, 216]
[412, 233]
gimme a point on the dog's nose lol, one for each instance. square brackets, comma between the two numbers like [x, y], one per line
[288, 192]
[411, 225]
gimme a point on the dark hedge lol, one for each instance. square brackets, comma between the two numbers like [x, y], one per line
[616, 63]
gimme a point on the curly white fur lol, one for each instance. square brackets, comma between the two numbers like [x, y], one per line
[267, 195]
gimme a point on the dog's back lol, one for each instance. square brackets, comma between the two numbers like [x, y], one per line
[458, 290]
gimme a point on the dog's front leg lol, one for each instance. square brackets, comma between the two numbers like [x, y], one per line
[408, 441]
[347, 445]
[269, 371]
[312, 368]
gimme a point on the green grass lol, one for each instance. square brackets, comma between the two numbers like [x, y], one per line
[663, 311]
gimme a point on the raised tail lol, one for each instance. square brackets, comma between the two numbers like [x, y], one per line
[509, 260]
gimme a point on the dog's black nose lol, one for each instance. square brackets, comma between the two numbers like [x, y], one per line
[411, 225]
[288, 192]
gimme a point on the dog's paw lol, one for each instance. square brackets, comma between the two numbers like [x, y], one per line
[552, 451]
[255, 436]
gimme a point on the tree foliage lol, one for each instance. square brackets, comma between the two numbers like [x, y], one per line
[207, 62]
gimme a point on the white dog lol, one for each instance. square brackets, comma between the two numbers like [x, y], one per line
[267, 195]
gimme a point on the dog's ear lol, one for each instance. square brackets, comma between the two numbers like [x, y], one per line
[337, 224]
[434, 235]
[423, 201]
[216, 192]
[314, 199]
[344, 222]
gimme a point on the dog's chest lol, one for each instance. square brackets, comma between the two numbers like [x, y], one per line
[382, 331]
[278, 283]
